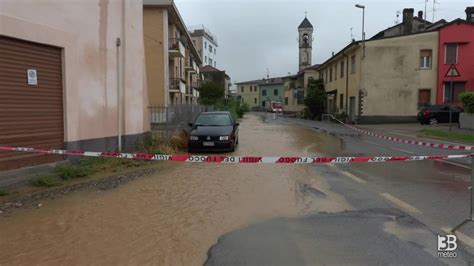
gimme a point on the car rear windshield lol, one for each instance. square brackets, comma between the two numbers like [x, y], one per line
[213, 120]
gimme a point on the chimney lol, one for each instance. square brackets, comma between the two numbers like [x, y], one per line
[470, 14]
[408, 20]
[420, 14]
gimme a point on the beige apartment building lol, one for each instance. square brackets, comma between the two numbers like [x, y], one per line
[341, 75]
[395, 79]
[172, 62]
[70, 82]
[400, 76]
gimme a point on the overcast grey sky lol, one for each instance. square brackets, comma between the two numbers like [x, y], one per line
[260, 34]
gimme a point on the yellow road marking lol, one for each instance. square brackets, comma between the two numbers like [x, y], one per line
[353, 177]
[400, 203]
[462, 237]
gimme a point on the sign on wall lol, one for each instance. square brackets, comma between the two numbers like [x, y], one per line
[452, 71]
[32, 77]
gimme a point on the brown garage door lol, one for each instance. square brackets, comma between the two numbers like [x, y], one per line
[30, 115]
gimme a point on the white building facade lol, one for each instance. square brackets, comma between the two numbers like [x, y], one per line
[206, 44]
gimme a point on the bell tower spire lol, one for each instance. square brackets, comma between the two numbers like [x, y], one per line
[305, 41]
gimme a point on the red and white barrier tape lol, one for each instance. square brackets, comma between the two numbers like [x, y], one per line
[235, 159]
[406, 141]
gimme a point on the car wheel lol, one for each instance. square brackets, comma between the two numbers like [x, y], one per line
[232, 148]
[433, 121]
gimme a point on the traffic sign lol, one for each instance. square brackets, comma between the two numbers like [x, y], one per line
[452, 71]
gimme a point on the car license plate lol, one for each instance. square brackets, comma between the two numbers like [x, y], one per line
[208, 143]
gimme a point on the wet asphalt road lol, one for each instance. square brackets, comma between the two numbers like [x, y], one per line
[218, 214]
[399, 208]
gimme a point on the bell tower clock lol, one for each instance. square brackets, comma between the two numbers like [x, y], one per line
[305, 41]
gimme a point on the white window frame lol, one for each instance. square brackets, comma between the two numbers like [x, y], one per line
[425, 62]
[446, 52]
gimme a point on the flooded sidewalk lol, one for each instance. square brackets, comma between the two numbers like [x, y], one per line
[174, 217]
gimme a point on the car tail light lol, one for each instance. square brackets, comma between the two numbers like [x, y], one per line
[426, 113]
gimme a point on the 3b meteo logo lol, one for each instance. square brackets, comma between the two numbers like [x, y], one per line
[446, 246]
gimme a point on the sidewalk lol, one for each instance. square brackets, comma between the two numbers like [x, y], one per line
[414, 131]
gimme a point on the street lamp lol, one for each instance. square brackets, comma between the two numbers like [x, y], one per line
[363, 32]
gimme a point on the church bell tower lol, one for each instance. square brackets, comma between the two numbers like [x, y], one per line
[305, 41]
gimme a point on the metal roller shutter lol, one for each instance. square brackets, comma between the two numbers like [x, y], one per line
[30, 115]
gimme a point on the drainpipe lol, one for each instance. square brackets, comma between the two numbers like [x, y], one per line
[347, 83]
[122, 79]
[119, 117]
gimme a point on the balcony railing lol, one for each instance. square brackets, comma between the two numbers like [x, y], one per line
[196, 84]
[190, 64]
[176, 47]
[177, 85]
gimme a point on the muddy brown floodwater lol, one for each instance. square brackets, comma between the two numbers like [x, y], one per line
[174, 217]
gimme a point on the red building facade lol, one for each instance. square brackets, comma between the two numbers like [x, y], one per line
[456, 46]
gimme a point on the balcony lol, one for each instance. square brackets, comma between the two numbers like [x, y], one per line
[196, 84]
[177, 85]
[191, 65]
[175, 48]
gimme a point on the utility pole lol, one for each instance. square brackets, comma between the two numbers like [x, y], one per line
[426, 3]
[434, 9]
[363, 25]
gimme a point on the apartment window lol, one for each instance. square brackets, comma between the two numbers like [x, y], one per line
[330, 74]
[335, 71]
[254, 100]
[326, 73]
[286, 100]
[205, 45]
[210, 61]
[353, 64]
[264, 92]
[300, 97]
[341, 101]
[342, 69]
[210, 48]
[214, 63]
[275, 92]
[205, 59]
[424, 98]
[215, 51]
[242, 89]
[451, 56]
[425, 59]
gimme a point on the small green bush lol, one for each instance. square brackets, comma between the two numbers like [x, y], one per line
[71, 171]
[45, 181]
[4, 192]
[234, 107]
[151, 144]
[467, 99]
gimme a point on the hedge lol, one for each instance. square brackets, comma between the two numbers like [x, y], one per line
[467, 99]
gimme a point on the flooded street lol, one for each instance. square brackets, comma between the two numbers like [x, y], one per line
[174, 217]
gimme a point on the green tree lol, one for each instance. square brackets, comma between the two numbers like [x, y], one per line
[315, 99]
[211, 93]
